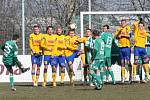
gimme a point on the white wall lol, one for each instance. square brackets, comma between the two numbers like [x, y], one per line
[26, 77]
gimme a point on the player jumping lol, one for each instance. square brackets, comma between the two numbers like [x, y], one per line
[107, 38]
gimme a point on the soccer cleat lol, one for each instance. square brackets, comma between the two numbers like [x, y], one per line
[54, 84]
[122, 80]
[98, 85]
[114, 82]
[107, 80]
[13, 89]
[23, 70]
[44, 84]
[134, 78]
[146, 79]
[143, 81]
[72, 83]
[62, 83]
[35, 84]
[130, 80]
[91, 84]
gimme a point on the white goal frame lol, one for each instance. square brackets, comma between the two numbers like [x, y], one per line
[108, 13]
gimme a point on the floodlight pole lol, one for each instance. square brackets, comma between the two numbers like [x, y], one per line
[23, 29]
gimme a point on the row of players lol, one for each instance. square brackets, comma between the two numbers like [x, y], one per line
[99, 57]
[57, 48]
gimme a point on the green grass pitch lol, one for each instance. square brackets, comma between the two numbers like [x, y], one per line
[25, 91]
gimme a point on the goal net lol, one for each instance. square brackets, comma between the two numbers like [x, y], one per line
[112, 18]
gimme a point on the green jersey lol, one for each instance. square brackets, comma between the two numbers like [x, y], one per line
[148, 47]
[98, 49]
[10, 51]
[89, 44]
[107, 38]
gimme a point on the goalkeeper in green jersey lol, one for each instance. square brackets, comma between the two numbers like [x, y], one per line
[97, 60]
[10, 51]
[107, 37]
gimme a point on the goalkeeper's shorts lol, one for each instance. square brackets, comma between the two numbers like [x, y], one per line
[36, 60]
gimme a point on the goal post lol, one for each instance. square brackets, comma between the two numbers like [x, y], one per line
[117, 13]
[108, 13]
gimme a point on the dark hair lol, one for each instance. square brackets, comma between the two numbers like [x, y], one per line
[71, 30]
[123, 20]
[36, 26]
[15, 37]
[48, 27]
[142, 22]
[95, 32]
[106, 26]
[88, 29]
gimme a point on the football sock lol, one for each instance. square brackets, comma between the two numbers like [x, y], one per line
[134, 70]
[11, 78]
[102, 76]
[107, 74]
[123, 72]
[112, 75]
[146, 69]
[54, 77]
[62, 77]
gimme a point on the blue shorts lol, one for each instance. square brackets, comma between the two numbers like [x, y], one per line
[139, 53]
[59, 60]
[71, 58]
[125, 53]
[47, 60]
[36, 60]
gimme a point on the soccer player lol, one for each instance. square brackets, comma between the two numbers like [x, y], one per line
[36, 53]
[88, 46]
[71, 52]
[10, 52]
[107, 38]
[98, 60]
[139, 48]
[48, 45]
[60, 55]
[123, 36]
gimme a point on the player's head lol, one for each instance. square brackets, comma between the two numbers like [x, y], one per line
[106, 28]
[95, 34]
[15, 37]
[123, 22]
[141, 25]
[88, 32]
[71, 32]
[36, 29]
[49, 30]
[58, 31]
